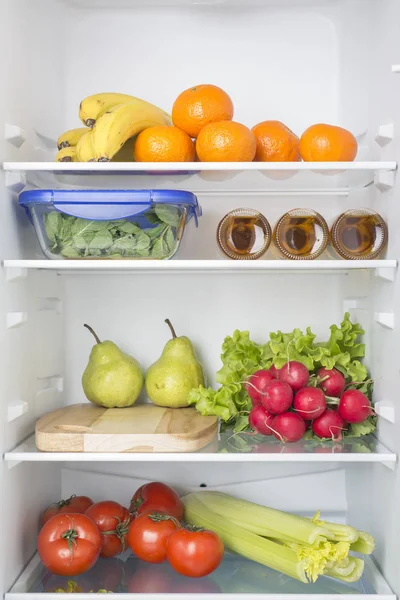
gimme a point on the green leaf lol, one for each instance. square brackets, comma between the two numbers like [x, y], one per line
[365, 428]
[53, 225]
[85, 226]
[145, 253]
[159, 249]
[66, 229]
[170, 240]
[79, 242]
[101, 241]
[168, 214]
[128, 227]
[209, 402]
[152, 217]
[142, 241]
[125, 245]
[155, 232]
[69, 252]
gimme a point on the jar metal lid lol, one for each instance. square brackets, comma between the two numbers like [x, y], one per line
[321, 242]
[224, 232]
[380, 242]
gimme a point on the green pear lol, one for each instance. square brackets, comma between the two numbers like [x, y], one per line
[112, 378]
[170, 379]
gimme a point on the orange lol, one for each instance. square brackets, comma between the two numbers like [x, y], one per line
[199, 106]
[164, 144]
[327, 143]
[276, 142]
[226, 141]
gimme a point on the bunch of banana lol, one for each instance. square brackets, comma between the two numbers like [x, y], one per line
[67, 154]
[67, 143]
[93, 107]
[113, 119]
[70, 138]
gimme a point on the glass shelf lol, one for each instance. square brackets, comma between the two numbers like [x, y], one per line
[236, 578]
[207, 266]
[234, 178]
[228, 448]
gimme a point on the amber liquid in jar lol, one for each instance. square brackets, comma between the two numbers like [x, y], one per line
[359, 234]
[244, 234]
[301, 234]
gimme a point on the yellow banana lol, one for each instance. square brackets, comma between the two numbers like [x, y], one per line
[122, 122]
[84, 148]
[93, 107]
[67, 155]
[70, 137]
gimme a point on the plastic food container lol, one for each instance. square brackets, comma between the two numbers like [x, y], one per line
[115, 224]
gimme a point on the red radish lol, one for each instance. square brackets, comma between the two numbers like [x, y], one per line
[277, 397]
[334, 382]
[295, 374]
[256, 384]
[274, 371]
[288, 427]
[354, 407]
[310, 403]
[260, 419]
[329, 425]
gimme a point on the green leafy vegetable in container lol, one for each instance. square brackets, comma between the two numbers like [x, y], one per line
[73, 237]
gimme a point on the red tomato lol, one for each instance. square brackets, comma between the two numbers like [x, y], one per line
[74, 504]
[148, 536]
[69, 544]
[113, 521]
[158, 497]
[194, 553]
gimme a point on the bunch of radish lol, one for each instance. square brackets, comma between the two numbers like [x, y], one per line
[285, 404]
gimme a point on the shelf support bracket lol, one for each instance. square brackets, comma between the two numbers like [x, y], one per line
[387, 273]
[386, 319]
[14, 135]
[16, 319]
[385, 134]
[16, 410]
[384, 180]
[385, 411]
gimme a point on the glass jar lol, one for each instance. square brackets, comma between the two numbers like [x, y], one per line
[301, 234]
[359, 234]
[244, 234]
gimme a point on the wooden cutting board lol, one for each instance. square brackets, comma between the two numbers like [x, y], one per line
[143, 428]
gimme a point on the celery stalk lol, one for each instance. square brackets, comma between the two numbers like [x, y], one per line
[351, 573]
[365, 543]
[265, 521]
[336, 531]
[242, 541]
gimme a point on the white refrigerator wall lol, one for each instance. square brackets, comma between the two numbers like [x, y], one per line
[309, 61]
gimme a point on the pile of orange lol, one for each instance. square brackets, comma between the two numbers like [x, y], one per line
[205, 112]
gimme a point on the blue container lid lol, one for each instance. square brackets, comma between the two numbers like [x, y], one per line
[109, 204]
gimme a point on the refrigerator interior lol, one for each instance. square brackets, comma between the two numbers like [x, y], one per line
[299, 61]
